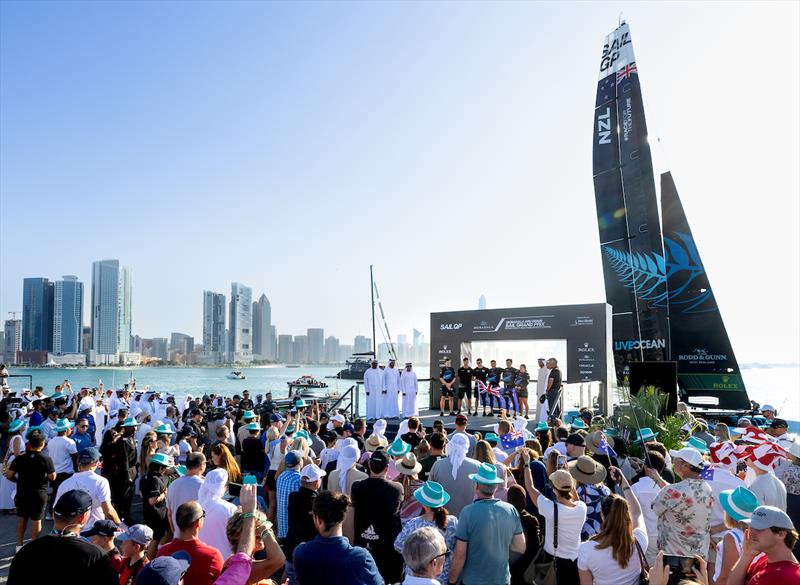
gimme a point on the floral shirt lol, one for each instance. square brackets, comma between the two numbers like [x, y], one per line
[449, 539]
[790, 476]
[683, 510]
[592, 496]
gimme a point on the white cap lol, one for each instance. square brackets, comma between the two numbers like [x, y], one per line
[312, 473]
[689, 454]
[338, 418]
[768, 407]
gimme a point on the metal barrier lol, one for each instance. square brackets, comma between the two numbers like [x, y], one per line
[352, 405]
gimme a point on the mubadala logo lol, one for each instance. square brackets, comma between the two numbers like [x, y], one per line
[633, 344]
[484, 326]
[701, 356]
[450, 326]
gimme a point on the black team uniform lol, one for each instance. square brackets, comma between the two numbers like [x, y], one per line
[464, 386]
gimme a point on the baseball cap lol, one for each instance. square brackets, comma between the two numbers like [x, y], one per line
[312, 473]
[461, 419]
[73, 503]
[770, 517]
[689, 454]
[576, 439]
[293, 458]
[348, 427]
[378, 461]
[138, 533]
[103, 527]
[276, 418]
[338, 418]
[166, 570]
[88, 455]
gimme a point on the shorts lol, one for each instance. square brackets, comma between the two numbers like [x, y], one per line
[522, 393]
[447, 392]
[270, 483]
[31, 505]
[465, 391]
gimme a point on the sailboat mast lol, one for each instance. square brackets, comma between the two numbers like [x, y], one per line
[372, 296]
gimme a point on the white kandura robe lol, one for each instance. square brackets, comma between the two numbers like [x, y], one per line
[391, 383]
[409, 387]
[373, 384]
[541, 389]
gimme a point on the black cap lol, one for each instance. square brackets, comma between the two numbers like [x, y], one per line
[576, 439]
[73, 503]
[378, 461]
[195, 412]
[778, 423]
[103, 527]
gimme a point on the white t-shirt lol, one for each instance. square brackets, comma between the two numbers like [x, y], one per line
[184, 448]
[605, 570]
[60, 449]
[769, 490]
[723, 480]
[95, 485]
[646, 491]
[182, 490]
[570, 522]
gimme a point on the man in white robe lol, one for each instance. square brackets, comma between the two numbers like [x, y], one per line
[408, 386]
[541, 388]
[373, 384]
[391, 391]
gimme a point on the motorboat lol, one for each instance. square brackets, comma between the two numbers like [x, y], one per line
[236, 375]
[307, 382]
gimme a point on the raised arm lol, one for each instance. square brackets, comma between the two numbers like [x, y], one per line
[633, 502]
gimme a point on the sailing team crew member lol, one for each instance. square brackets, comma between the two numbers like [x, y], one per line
[509, 396]
[373, 384]
[447, 378]
[391, 389]
[480, 374]
[465, 387]
[408, 386]
[495, 374]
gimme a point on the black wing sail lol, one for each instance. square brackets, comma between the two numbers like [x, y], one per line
[707, 366]
[627, 211]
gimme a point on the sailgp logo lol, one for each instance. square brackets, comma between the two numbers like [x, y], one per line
[611, 52]
[604, 127]
[633, 344]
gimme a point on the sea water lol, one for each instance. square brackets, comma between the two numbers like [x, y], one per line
[778, 386]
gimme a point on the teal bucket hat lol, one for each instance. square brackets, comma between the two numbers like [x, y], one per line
[491, 438]
[161, 459]
[739, 503]
[541, 426]
[486, 474]
[249, 415]
[63, 425]
[432, 494]
[398, 448]
[252, 426]
[697, 443]
[646, 434]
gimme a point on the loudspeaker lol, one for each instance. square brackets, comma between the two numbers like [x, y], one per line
[662, 375]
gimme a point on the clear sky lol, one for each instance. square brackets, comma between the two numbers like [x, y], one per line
[288, 146]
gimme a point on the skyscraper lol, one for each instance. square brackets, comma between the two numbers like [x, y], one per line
[68, 316]
[331, 350]
[124, 310]
[362, 344]
[105, 312]
[13, 340]
[214, 327]
[262, 329]
[316, 345]
[240, 349]
[273, 343]
[37, 314]
[301, 349]
[181, 343]
[482, 303]
[285, 349]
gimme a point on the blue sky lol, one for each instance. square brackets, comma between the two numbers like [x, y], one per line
[288, 146]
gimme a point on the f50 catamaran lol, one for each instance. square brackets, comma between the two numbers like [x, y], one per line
[663, 304]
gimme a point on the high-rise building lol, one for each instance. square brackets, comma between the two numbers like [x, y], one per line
[273, 342]
[13, 340]
[285, 349]
[105, 312]
[181, 343]
[240, 349]
[345, 352]
[159, 348]
[301, 349]
[331, 350]
[37, 314]
[417, 337]
[262, 329]
[124, 310]
[362, 344]
[86, 337]
[68, 316]
[316, 345]
[482, 303]
[214, 327]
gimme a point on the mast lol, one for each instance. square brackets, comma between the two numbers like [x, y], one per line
[372, 296]
[707, 365]
[627, 210]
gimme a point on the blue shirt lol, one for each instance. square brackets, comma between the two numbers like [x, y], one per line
[334, 561]
[82, 440]
[288, 482]
[36, 419]
[488, 526]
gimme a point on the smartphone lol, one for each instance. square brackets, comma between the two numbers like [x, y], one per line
[682, 565]
[561, 462]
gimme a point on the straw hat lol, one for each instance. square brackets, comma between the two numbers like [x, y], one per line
[586, 470]
[373, 443]
[408, 465]
[593, 441]
[561, 479]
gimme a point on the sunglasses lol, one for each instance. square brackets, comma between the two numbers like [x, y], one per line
[445, 554]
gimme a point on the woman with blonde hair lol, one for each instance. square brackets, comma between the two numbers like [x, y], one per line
[614, 555]
[722, 433]
[222, 458]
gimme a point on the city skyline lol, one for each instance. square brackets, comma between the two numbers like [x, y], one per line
[291, 145]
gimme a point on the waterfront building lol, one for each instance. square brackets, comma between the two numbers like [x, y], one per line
[214, 351]
[285, 349]
[345, 352]
[12, 343]
[68, 316]
[316, 345]
[273, 343]
[125, 328]
[362, 344]
[37, 314]
[301, 349]
[331, 350]
[105, 319]
[181, 343]
[262, 329]
[159, 348]
[240, 349]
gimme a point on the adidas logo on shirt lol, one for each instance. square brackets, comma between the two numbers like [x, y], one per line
[370, 534]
